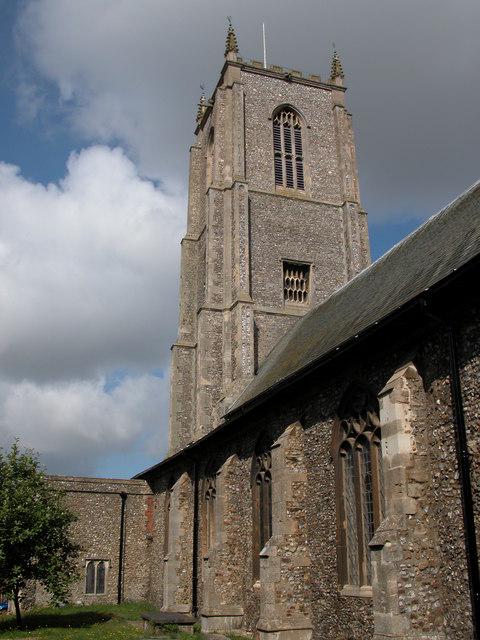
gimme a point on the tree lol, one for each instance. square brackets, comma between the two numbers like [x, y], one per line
[35, 524]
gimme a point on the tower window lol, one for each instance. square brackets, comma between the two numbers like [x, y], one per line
[288, 149]
[296, 283]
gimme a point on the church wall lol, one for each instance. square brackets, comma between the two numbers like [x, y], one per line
[282, 229]
[469, 348]
[262, 96]
[269, 329]
[97, 504]
[423, 546]
[157, 556]
[171, 562]
[443, 493]
[291, 229]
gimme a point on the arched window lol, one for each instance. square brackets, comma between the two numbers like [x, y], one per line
[90, 577]
[262, 499]
[360, 495]
[100, 581]
[95, 577]
[166, 517]
[288, 149]
[210, 499]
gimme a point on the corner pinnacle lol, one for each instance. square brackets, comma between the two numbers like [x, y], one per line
[231, 44]
[336, 70]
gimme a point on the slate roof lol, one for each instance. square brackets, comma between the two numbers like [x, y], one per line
[443, 244]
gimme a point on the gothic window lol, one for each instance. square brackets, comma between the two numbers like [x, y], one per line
[360, 494]
[288, 149]
[262, 500]
[90, 577]
[210, 502]
[95, 577]
[296, 283]
[166, 517]
[100, 579]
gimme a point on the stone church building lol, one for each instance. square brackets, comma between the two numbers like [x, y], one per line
[322, 479]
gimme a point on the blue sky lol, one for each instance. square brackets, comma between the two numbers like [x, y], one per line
[97, 104]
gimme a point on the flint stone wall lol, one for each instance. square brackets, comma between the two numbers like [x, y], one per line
[97, 504]
[424, 548]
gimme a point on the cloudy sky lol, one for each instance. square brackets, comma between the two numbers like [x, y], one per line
[97, 105]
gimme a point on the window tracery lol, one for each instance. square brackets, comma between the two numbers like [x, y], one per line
[262, 500]
[360, 494]
[210, 509]
[288, 149]
[296, 283]
[95, 577]
[166, 517]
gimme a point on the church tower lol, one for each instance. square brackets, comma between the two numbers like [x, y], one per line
[274, 227]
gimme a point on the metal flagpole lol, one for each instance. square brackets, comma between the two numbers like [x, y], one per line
[264, 47]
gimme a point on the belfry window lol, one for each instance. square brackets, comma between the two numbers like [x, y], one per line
[288, 149]
[262, 500]
[360, 495]
[95, 577]
[296, 283]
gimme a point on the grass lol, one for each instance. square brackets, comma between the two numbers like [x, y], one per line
[108, 622]
[100, 621]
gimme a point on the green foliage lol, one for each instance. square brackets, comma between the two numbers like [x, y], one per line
[169, 628]
[197, 628]
[235, 636]
[34, 528]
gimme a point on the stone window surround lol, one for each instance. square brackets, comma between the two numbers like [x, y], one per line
[304, 269]
[338, 439]
[96, 560]
[262, 519]
[214, 477]
[311, 281]
[278, 189]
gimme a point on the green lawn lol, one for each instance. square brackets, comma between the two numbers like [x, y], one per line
[108, 622]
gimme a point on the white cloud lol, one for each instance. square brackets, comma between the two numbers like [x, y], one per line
[88, 285]
[130, 70]
[76, 425]
[89, 269]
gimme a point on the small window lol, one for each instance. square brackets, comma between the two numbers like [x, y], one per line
[296, 283]
[95, 577]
